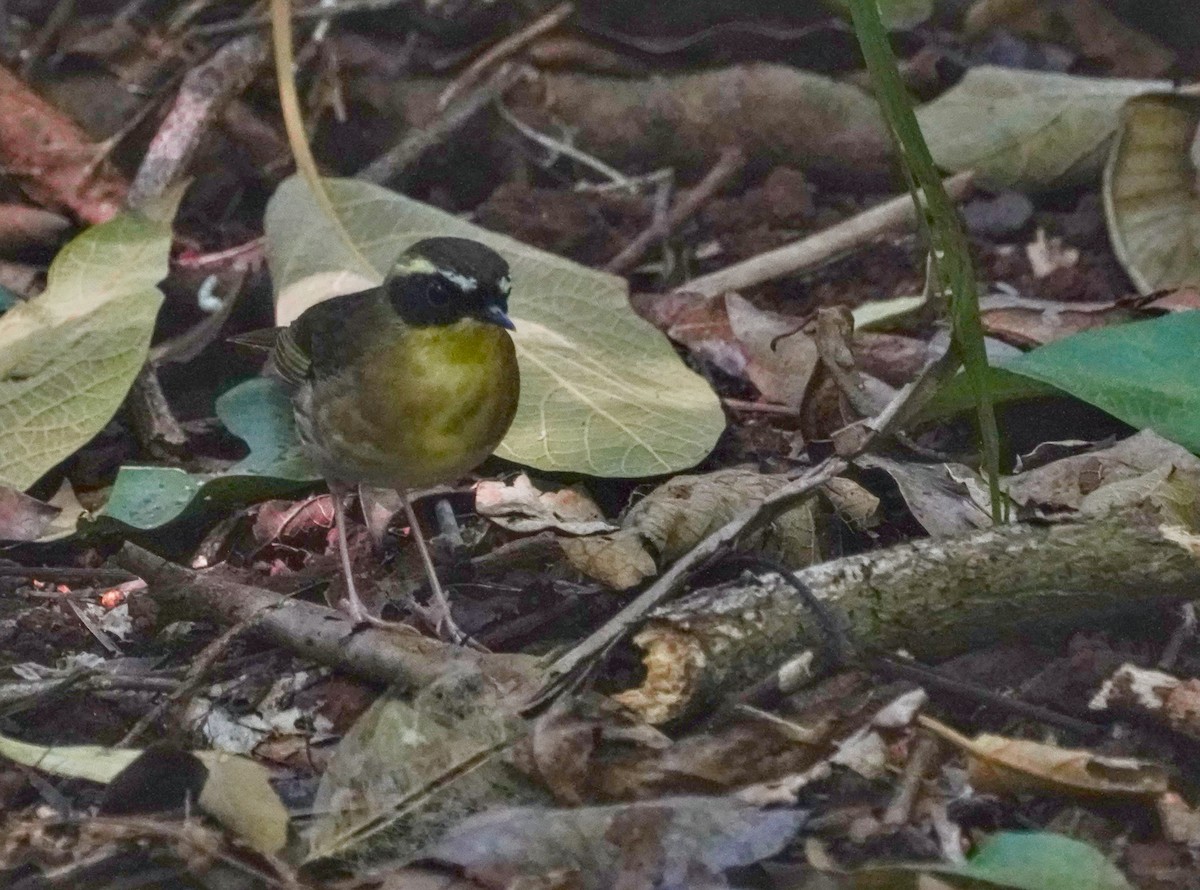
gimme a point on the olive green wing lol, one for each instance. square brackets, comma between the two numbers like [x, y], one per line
[290, 360]
[326, 336]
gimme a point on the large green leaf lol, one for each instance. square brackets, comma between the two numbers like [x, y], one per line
[258, 411]
[1146, 373]
[1041, 861]
[1028, 129]
[602, 391]
[68, 356]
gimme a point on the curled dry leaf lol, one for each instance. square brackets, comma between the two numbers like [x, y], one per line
[782, 356]
[235, 791]
[397, 750]
[1028, 323]
[520, 507]
[698, 322]
[1151, 198]
[1066, 484]
[681, 512]
[1152, 695]
[672, 844]
[23, 518]
[772, 351]
[1002, 765]
[947, 499]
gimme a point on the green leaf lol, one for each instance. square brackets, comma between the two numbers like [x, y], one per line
[69, 355]
[956, 394]
[92, 762]
[258, 411]
[1028, 128]
[1013, 859]
[1146, 373]
[1041, 861]
[8, 299]
[1150, 192]
[602, 391]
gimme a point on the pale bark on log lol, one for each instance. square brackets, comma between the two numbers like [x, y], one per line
[933, 598]
[402, 660]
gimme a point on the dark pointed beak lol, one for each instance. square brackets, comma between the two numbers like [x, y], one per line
[496, 315]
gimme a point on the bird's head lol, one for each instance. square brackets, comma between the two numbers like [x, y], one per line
[439, 281]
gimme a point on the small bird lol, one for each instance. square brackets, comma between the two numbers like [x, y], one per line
[406, 385]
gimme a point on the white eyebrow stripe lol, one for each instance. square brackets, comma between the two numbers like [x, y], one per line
[504, 284]
[465, 283]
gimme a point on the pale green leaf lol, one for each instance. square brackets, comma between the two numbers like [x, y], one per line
[237, 791]
[69, 356]
[602, 391]
[92, 762]
[1029, 129]
[1150, 192]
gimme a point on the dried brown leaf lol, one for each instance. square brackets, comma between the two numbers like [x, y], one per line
[1001, 765]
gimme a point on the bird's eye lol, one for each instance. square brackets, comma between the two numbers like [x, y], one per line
[440, 292]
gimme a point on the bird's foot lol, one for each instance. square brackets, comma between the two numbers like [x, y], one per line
[437, 618]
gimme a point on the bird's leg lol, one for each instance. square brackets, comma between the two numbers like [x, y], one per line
[442, 618]
[354, 605]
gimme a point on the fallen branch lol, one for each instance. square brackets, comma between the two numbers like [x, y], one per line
[568, 667]
[203, 95]
[506, 49]
[934, 598]
[890, 216]
[322, 634]
[774, 114]
[395, 164]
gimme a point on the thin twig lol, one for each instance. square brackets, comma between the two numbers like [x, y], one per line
[732, 160]
[203, 94]
[933, 679]
[200, 666]
[896, 213]
[154, 424]
[104, 575]
[505, 49]
[761, 407]
[250, 22]
[923, 754]
[396, 162]
[563, 148]
[59, 18]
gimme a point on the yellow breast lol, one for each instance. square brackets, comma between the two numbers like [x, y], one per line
[422, 405]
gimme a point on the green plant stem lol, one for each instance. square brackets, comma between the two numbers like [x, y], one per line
[949, 251]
